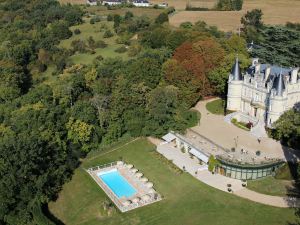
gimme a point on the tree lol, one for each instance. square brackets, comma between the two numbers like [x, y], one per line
[78, 46]
[238, 5]
[91, 43]
[155, 38]
[229, 5]
[175, 74]
[253, 18]
[128, 15]
[79, 131]
[60, 30]
[108, 34]
[147, 70]
[164, 111]
[199, 59]
[235, 45]
[279, 45]
[117, 20]
[35, 157]
[43, 56]
[176, 38]
[186, 25]
[287, 128]
[162, 18]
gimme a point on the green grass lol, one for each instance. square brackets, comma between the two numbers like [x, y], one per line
[240, 124]
[216, 107]
[271, 186]
[193, 117]
[93, 30]
[287, 172]
[186, 201]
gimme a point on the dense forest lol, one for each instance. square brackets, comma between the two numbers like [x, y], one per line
[47, 125]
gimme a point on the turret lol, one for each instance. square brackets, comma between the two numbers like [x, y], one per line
[278, 99]
[278, 85]
[236, 70]
[235, 87]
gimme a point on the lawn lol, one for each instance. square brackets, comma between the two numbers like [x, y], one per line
[186, 200]
[216, 106]
[289, 171]
[272, 186]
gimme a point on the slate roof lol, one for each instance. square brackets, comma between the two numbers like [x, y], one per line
[236, 70]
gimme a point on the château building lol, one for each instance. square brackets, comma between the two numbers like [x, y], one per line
[263, 92]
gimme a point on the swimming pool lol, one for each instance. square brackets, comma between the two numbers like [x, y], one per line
[117, 183]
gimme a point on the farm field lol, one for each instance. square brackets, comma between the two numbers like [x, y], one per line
[186, 200]
[275, 12]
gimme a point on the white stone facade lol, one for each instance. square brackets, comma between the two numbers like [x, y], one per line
[263, 92]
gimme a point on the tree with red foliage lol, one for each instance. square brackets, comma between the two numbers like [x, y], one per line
[198, 59]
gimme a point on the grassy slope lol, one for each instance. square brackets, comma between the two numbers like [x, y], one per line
[271, 186]
[93, 30]
[186, 200]
[216, 107]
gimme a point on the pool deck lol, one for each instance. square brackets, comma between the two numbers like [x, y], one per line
[145, 194]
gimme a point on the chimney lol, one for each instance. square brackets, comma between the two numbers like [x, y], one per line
[294, 75]
[267, 72]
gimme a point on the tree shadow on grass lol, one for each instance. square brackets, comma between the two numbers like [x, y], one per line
[293, 192]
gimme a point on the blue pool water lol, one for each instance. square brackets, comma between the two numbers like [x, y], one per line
[118, 184]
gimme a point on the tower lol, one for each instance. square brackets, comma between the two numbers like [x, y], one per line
[278, 99]
[235, 83]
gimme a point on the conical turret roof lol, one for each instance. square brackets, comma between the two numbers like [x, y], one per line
[278, 84]
[236, 70]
